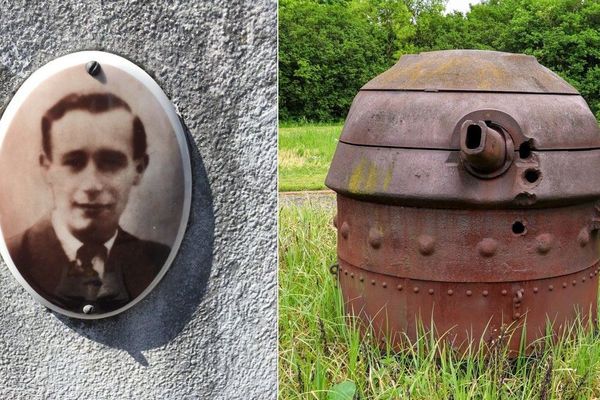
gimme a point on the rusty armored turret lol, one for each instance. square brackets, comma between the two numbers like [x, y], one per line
[467, 184]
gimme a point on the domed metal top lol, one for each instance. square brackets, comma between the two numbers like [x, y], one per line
[470, 70]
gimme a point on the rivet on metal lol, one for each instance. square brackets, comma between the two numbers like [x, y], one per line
[399, 287]
[93, 68]
[426, 245]
[345, 230]
[373, 282]
[384, 285]
[361, 279]
[375, 238]
[591, 275]
[487, 247]
[535, 290]
[351, 274]
[469, 293]
[583, 279]
[544, 243]
[551, 287]
[584, 237]
[450, 292]
[345, 272]
[517, 315]
[504, 293]
[416, 289]
[485, 293]
[573, 282]
[430, 291]
[564, 284]
[88, 309]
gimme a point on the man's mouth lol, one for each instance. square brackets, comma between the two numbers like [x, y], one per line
[93, 207]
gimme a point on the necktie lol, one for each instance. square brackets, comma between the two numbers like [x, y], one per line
[89, 262]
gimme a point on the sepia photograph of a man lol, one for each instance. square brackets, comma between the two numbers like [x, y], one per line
[93, 246]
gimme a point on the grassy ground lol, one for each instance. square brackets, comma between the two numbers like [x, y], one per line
[305, 152]
[321, 353]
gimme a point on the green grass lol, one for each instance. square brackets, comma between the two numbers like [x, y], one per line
[319, 347]
[305, 152]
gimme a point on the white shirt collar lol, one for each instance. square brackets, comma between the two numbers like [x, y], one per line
[70, 243]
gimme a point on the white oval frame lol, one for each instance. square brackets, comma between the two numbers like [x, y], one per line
[82, 58]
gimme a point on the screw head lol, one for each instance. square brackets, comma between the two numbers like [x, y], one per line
[93, 68]
[88, 309]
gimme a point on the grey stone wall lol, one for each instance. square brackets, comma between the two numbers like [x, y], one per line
[208, 330]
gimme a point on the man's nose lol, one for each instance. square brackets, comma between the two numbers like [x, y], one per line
[92, 179]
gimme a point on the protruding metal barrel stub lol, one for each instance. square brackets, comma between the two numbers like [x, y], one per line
[485, 151]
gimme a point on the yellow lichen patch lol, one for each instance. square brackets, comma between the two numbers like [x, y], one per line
[356, 177]
[388, 177]
[366, 177]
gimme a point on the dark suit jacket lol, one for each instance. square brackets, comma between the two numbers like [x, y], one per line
[41, 260]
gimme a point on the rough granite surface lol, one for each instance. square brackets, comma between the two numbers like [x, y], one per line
[208, 330]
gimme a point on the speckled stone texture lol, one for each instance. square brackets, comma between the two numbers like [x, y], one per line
[208, 330]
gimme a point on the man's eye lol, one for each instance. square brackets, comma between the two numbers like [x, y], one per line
[110, 161]
[75, 162]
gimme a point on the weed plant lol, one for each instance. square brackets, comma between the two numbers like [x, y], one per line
[320, 347]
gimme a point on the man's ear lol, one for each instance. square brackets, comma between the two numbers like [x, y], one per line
[140, 166]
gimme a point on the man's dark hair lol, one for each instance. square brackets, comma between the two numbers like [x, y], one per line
[93, 103]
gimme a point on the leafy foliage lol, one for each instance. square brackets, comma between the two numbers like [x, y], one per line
[329, 49]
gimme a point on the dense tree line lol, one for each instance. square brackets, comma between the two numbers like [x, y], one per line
[330, 48]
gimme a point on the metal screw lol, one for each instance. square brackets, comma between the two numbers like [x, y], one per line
[88, 309]
[93, 68]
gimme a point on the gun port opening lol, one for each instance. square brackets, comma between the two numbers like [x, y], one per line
[531, 175]
[518, 228]
[473, 139]
[525, 150]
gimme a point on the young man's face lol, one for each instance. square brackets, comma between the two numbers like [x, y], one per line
[91, 171]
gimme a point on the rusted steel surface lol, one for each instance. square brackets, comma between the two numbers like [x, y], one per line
[468, 198]
[432, 120]
[470, 70]
[437, 178]
[467, 245]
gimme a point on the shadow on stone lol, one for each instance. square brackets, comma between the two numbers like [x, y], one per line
[164, 313]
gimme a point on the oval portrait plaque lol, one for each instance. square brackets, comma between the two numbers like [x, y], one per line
[95, 188]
